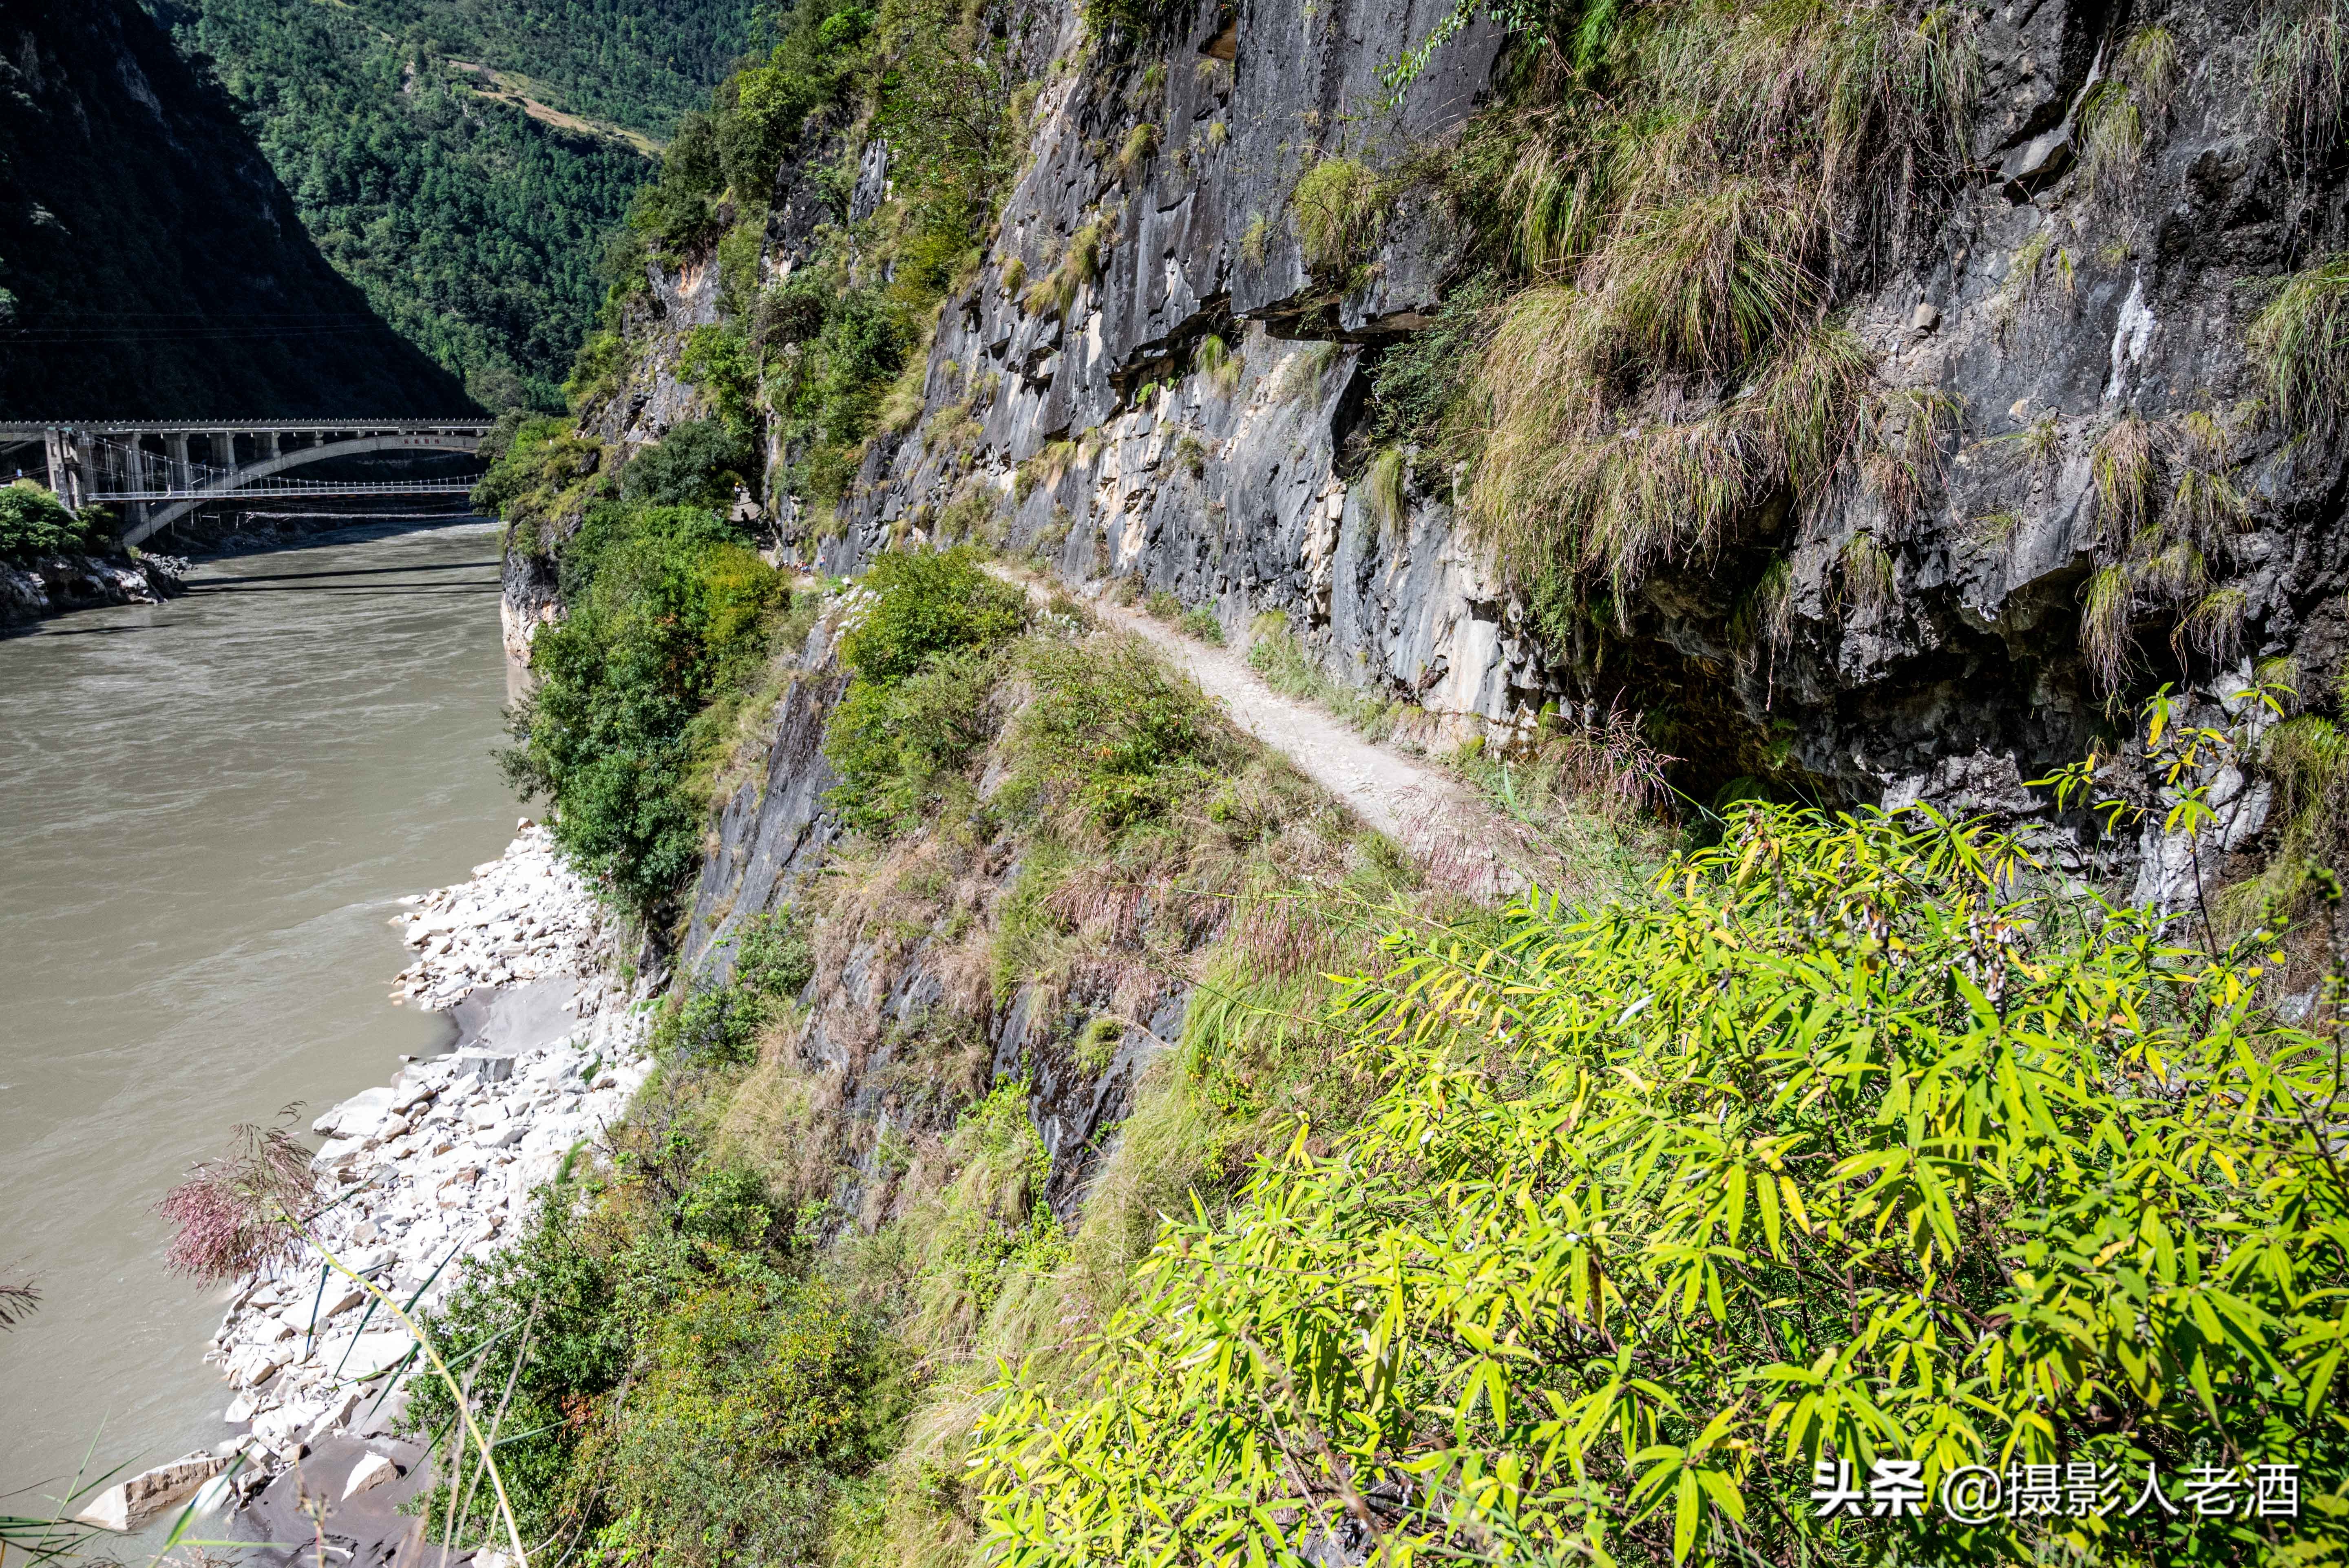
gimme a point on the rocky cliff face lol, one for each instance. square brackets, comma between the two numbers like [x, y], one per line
[2063, 315]
[150, 265]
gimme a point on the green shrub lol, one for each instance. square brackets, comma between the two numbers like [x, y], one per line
[926, 665]
[677, 1388]
[1112, 736]
[720, 361]
[698, 463]
[1859, 1143]
[773, 958]
[581, 1306]
[760, 1393]
[890, 742]
[1416, 387]
[34, 523]
[718, 1026]
[668, 612]
[929, 605]
[541, 477]
[679, 210]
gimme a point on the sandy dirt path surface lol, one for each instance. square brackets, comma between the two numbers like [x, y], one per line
[1421, 808]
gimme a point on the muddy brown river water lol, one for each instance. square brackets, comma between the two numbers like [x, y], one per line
[206, 810]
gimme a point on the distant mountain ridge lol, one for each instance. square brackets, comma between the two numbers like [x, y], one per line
[153, 265]
[463, 160]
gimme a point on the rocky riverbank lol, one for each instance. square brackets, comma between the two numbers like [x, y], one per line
[436, 1168]
[52, 585]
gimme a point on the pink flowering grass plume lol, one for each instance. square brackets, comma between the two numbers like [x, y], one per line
[238, 1215]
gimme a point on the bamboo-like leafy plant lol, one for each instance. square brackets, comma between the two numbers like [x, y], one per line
[1862, 1142]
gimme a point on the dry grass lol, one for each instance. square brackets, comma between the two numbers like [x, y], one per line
[2302, 341]
[2149, 63]
[1255, 238]
[2112, 138]
[1700, 283]
[1903, 455]
[1563, 482]
[2301, 71]
[1139, 144]
[2123, 465]
[1301, 374]
[1079, 263]
[2106, 640]
[2215, 626]
[1865, 574]
[2039, 264]
[2208, 506]
[1765, 617]
[1220, 364]
[1045, 470]
[2178, 570]
[1693, 212]
[1339, 210]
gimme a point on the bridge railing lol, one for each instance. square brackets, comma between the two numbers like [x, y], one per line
[274, 485]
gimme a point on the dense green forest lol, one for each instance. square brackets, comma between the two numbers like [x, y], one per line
[641, 63]
[475, 229]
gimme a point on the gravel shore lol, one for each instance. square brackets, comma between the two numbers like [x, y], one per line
[438, 1166]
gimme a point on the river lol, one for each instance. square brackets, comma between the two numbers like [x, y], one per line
[207, 809]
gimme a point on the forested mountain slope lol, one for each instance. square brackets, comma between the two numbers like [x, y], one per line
[154, 264]
[462, 162]
[643, 63]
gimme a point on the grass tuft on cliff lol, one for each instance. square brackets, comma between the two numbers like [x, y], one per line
[1677, 199]
[2302, 340]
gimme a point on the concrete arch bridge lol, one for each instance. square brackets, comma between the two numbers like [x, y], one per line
[158, 471]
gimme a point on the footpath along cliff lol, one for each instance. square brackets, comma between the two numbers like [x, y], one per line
[2038, 420]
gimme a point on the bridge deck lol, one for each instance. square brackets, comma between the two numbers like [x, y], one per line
[33, 429]
[278, 487]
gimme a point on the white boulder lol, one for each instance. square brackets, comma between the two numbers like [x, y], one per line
[128, 1504]
[355, 1115]
[371, 1473]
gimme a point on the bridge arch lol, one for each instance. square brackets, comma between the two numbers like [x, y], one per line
[244, 480]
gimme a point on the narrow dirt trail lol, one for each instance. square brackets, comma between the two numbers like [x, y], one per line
[1429, 813]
